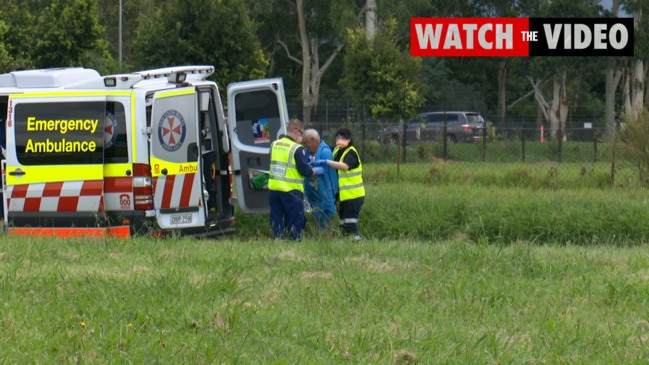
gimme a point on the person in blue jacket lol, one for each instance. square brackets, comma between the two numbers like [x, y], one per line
[320, 190]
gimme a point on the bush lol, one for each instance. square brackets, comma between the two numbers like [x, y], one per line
[631, 145]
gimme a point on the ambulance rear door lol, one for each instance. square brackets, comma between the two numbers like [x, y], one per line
[257, 115]
[175, 159]
[54, 164]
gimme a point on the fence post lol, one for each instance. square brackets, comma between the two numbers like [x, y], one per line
[363, 125]
[613, 160]
[484, 143]
[594, 146]
[522, 134]
[445, 139]
[560, 133]
[403, 141]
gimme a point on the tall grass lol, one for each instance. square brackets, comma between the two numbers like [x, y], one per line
[504, 175]
[498, 203]
[180, 301]
[500, 151]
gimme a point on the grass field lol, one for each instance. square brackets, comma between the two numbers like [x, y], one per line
[512, 266]
[182, 301]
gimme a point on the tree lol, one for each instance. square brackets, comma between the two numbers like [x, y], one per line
[634, 83]
[16, 36]
[614, 73]
[320, 30]
[6, 60]
[219, 33]
[381, 76]
[631, 144]
[133, 12]
[70, 35]
[561, 72]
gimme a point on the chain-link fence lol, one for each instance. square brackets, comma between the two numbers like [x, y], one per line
[526, 140]
[513, 145]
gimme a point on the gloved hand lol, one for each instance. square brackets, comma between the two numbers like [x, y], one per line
[320, 163]
[318, 170]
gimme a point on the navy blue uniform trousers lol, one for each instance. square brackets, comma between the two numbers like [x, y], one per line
[287, 213]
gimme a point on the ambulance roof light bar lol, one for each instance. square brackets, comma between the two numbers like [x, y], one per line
[177, 74]
[47, 78]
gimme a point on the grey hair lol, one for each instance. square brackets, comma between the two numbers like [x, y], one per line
[310, 134]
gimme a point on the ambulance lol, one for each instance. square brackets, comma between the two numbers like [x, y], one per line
[149, 152]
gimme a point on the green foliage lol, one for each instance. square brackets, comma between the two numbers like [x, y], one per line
[381, 76]
[641, 32]
[632, 144]
[5, 59]
[373, 151]
[425, 150]
[216, 33]
[17, 35]
[70, 35]
[132, 16]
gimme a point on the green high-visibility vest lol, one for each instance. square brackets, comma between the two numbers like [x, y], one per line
[350, 182]
[284, 175]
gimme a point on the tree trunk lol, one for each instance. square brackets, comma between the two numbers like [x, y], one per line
[612, 81]
[307, 97]
[637, 87]
[559, 107]
[370, 18]
[311, 70]
[554, 108]
[645, 102]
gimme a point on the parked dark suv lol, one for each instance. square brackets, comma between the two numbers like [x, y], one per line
[429, 127]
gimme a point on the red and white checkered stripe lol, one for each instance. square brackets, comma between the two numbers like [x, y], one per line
[69, 196]
[176, 191]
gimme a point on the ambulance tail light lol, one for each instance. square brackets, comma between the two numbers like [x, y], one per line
[142, 187]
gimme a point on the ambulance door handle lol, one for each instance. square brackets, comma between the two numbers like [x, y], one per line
[164, 171]
[18, 172]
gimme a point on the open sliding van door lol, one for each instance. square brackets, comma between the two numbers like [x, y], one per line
[257, 115]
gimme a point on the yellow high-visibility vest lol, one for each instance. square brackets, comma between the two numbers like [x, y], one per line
[284, 175]
[350, 182]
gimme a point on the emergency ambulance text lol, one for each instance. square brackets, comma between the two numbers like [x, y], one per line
[62, 146]
[62, 125]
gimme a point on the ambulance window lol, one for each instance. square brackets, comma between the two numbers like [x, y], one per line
[258, 117]
[59, 133]
[115, 143]
[208, 122]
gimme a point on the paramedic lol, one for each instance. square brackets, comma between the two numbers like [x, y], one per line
[351, 191]
[288, 167]
[320, 190]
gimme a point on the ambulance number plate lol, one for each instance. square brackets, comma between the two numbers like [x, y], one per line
[181, 218]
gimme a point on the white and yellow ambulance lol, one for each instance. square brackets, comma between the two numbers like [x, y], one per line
[147, 152]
